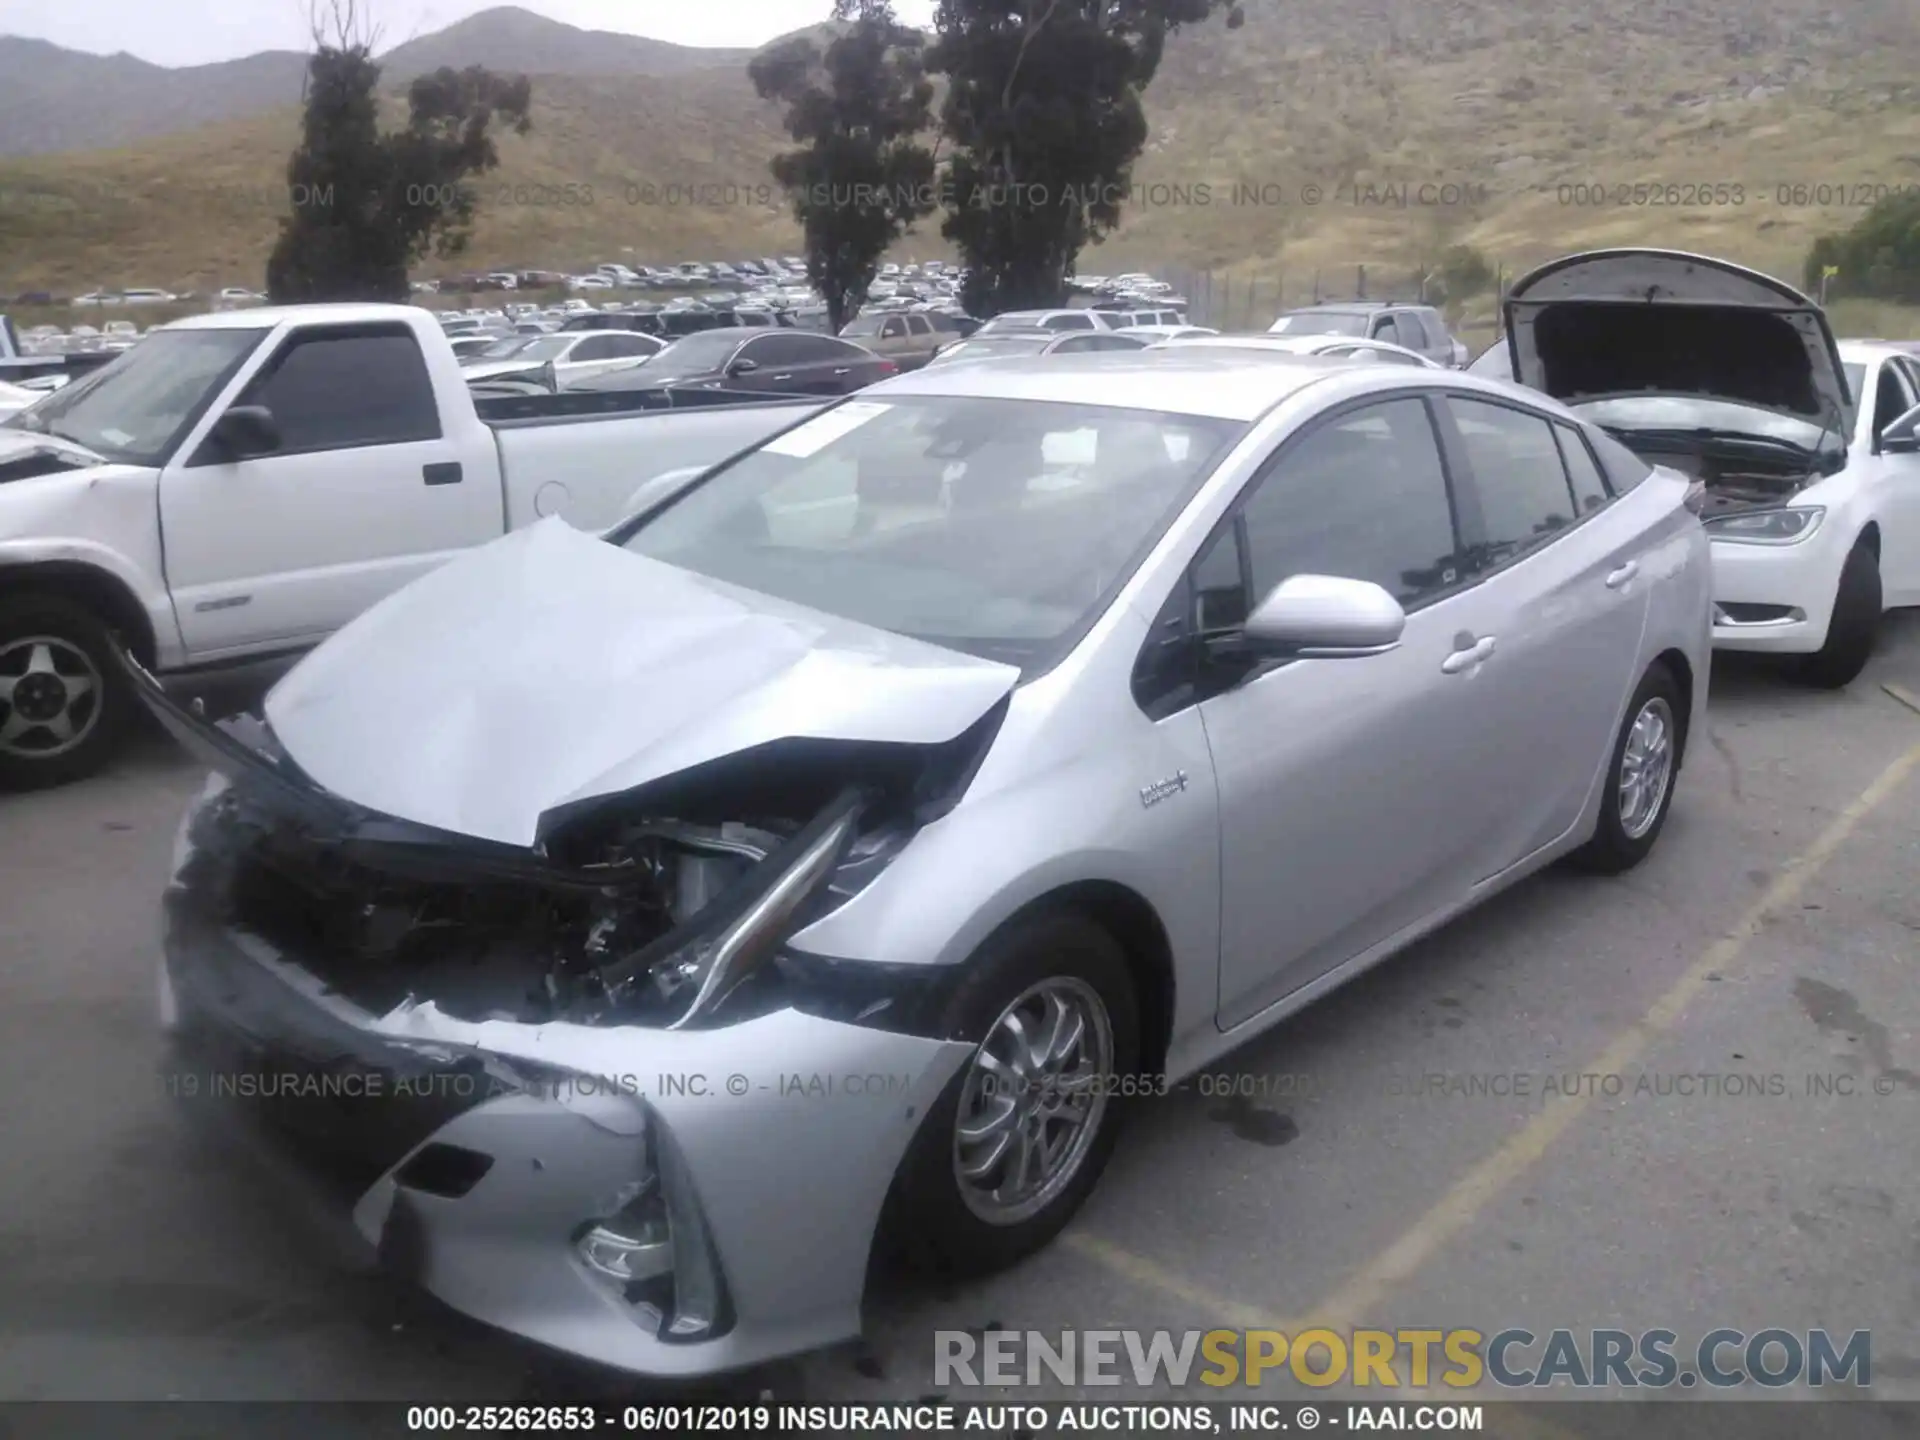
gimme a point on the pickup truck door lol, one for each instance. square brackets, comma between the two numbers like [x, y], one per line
[366, 491]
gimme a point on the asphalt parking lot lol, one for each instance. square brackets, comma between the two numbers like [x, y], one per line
[1775, 932]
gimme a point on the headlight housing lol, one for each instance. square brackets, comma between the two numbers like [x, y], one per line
[688, 973]
[1786, 526]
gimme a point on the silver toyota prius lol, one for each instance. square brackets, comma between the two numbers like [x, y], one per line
[632, 933]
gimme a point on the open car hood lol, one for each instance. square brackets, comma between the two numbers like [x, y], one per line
[1612, 323]
[551, 667]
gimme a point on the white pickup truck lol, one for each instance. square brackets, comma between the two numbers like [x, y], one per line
[239, 485]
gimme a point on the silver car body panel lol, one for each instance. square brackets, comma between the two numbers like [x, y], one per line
[1288, 816]
[550, 667]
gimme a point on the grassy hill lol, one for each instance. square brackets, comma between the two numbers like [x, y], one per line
[1324, 133]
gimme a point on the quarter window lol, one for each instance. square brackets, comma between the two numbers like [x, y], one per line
[1519, 478]
[1589, 486]
[340, 390]
[1362, 496]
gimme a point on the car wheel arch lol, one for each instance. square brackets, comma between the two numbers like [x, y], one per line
[1870, 537]
[101, 593]
[1136, 927]
[1681, 669]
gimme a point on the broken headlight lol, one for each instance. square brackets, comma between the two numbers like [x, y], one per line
[683, 977]
[1767, 527]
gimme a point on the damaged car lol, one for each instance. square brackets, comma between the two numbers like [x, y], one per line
[1809, 449]
[634, 937]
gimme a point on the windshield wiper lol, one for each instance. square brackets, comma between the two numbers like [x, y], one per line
[1706, 432]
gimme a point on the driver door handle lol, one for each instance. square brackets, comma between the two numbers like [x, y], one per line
[844, 369]
[1466, 659]
[1621, 576]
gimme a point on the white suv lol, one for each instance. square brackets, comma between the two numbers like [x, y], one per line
[1807, 451]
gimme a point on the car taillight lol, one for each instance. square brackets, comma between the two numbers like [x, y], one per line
[887, 367]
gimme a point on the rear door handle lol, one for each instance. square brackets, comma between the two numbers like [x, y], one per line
[783, 377]
[1621, 576]
[1466, 659]
[446, 472]
[844, 370]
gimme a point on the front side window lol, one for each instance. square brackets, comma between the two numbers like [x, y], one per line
[1407, 331]
[1322, 322]
[991, 525]
[1362, 496]
[1521, 482]
[336, 390]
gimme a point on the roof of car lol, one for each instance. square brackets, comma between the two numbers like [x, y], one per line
[262, 316]
[1218, 384]
[1351, 305]
[1283, 344]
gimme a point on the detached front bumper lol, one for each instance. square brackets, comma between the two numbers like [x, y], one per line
[488, 1162]
[1776, 598]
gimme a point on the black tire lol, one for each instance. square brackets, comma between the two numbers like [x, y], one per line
[1617, 845]
[1855, 625]
[33, 626]
[929, 1224]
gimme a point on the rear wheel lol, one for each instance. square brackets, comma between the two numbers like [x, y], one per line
[1018, 1139]
[1639, 792]
[63, 703]
[1852, 630]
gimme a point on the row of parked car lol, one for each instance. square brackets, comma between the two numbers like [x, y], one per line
[1045, 724]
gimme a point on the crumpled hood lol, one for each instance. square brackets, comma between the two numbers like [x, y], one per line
[551, 666]
[25, 452]
[1610, 323]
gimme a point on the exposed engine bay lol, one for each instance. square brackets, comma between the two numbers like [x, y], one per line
[630, 909]
[1738, 476]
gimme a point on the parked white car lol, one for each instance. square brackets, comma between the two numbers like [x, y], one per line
[14, 398]
[148, 297]
[1809, 450]
[239, 485]
[1051, 320]
[573, 355]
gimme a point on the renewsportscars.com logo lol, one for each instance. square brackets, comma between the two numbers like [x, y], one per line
[1513, 1359]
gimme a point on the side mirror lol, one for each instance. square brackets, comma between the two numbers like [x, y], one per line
[245, 431]
[743, 366]
[1324, 617]
[1902, 437]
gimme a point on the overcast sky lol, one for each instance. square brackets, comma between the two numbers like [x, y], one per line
[190, 35]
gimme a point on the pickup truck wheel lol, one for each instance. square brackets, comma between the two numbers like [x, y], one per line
[1852, 630]
[63, 703]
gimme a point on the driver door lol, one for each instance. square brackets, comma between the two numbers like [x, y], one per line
[1350, 805]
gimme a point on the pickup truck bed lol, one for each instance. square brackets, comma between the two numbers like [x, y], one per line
[238, 486]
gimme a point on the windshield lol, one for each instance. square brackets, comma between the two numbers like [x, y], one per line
[134, 409]
[989, 525]
[543, 348]
[1686, 412]
[864, 325]
[501, 349]
[1321, 322]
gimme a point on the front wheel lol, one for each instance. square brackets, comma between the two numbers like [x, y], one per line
[1852, 630]
[1639, 789]
[1019, 1137]
[63, 703]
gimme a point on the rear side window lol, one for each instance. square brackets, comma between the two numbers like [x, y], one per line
[1623, 468]
[1407, 324]
[343, 389]
[1589, 486]
[1525, 498]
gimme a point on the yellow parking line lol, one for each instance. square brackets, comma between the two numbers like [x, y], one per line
[1353, 1301]
[1215, 1310]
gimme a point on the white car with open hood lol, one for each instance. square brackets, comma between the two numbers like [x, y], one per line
[1809, 449]
[814, 864]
